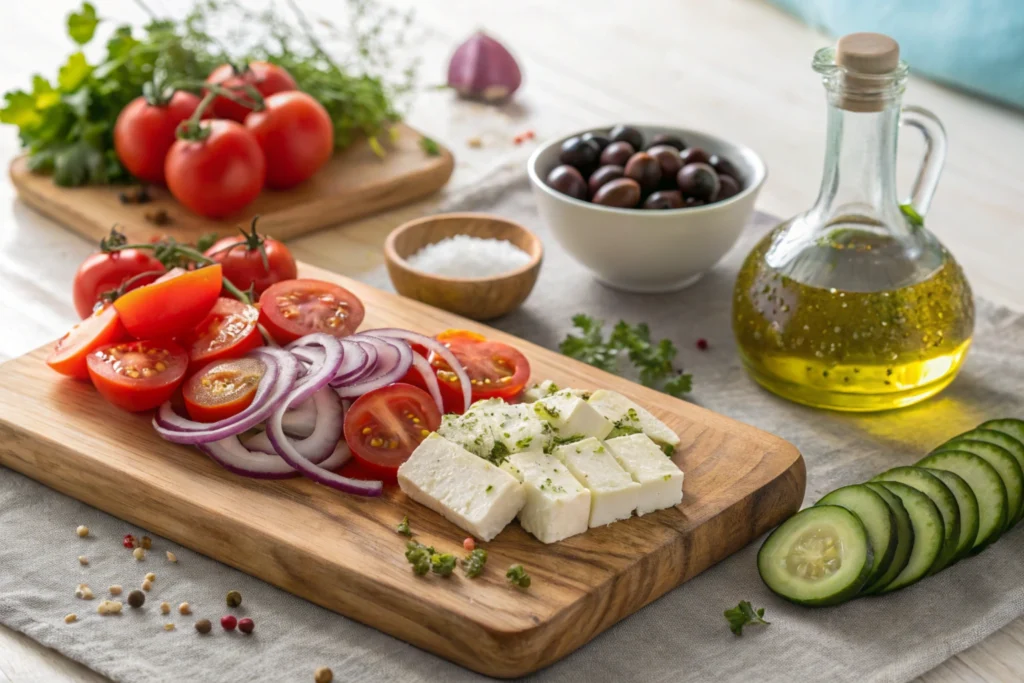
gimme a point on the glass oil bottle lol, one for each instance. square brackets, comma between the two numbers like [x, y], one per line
[853, 305]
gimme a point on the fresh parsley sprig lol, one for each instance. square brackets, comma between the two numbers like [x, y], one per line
[744, 614]
[654, 361]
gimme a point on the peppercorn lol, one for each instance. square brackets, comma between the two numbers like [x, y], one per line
[147, 542]
[71, 618]
[136, 599]
[129, 541]
[151, 577]
[139, 554]
[83, 560]
[147, 585]
[185, 608]
[228, 622]
[82, 531]
[702, 344]
[165, 607]
[323, 675]
[469, 543]
[234, 599]
[203, 626]
[246, 625]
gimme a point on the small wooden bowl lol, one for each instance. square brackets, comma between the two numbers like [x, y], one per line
[477, 298]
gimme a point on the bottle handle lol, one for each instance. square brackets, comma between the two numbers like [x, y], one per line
[934, 156]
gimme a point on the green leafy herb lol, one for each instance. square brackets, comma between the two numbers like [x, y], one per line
[621, 429]
[564, 440]
[442, 563]
[82, 24]
[419, 557]
[742, 615]
[499, 452]
[490, 487]
[916, 219]
[403, 527]
[524, 443]
[206, 241]
[668, 449]
[473, 564]
[517, 576]
[654, 361]
[430, 147]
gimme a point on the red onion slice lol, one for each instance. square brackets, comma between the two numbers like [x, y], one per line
[319, 445]
[328, 354]
[355, 364]
[394, 358]
[438, 348]
[300, 420]
[429, 378]
[339, 457]
[230, 454]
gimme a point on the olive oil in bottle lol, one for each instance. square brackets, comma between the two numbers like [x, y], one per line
[853, 304]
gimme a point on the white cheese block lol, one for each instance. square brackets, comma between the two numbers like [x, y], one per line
[571, 416]
[557, 506]
[661, 482]
[613, 493]
[623, 412]
[549, 388]
[472, 431]
[469, 491]
[515, 426]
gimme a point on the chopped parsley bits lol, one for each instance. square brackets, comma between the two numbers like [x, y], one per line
[499, 453]
[489, 488]
[403, 527]
[669, 449]
[473, 564]
[442, 563]
[419, 557]
[517, 576]
[524, 443]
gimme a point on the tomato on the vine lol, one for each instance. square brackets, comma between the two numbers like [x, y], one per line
[266, 78]
[296, 135]
[69, 354]
[295, 308]
[172, 306]
[145, 131]
[104, 272]
[229, 331]
[384, 426]
[219, 173]
[222, 388]
[243, 260]
[137, 375]
[495, 369]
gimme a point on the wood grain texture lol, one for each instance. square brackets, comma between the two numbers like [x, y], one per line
[476, 298]
[342, 552]
[354, 183]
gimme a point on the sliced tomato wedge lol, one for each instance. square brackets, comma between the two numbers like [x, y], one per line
[294, 308]
[137, 375]
[172, 306]
[495, 369]
[383, 427]
[222, 388]
[69, 354]
[229, 331]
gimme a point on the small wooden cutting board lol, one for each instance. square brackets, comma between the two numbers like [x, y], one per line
[342, 552]
[354, 183]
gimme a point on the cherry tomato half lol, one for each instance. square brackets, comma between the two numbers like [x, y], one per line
[69, 354]
[295, 308]
[137, 375]
[266, 78]
[383, 427]
[104, 272]
[229, 331]
[495, 369]
[244, 266]
[144, 133]
[296, 135]
[222, 388]
[172, 306]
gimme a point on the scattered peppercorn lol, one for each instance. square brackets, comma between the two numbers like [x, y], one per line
[115, 590]
[147, 542]
[82, 531]
[203, 626]
[473, 564]
[83, 560]
[517, 576]
[147, 585]
[158, 217]
[469, 543]
[403, 527]
[702, 344]
[150, 576]
[184, 608]
[139, 554]
[518, 139]
[129, 541]
[71, 618]
[171, 557]
[323, 675]
[165, 607]
[228, 622]
[136, 599]
[234, 599]
[246, 625]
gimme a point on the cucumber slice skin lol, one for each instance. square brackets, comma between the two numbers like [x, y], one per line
[844, 584]
[928, 534]
[1004, 463]
[877, 517]
[1003, 440]
[988, 488]
[944, 500]
[968, 504]
[1010, 426]
[904, 538]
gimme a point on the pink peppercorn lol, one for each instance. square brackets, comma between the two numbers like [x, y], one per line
[246, 625]
[129, 541]
[702, 344]
[469, 543]
[228, 622]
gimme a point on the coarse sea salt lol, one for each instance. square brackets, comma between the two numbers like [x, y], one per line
[468, 256]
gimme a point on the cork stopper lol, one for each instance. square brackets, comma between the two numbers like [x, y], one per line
[864, 57]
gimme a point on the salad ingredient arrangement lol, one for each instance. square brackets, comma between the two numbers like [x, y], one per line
[905, 524]
[484, 69]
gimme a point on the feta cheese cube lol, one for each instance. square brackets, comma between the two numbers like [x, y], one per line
[549, 388]
[557, 506]
[613, 493]
[518, 428]
[471, 431]
[661, 482]
[625, 413]
[467, 490]
[571, 416]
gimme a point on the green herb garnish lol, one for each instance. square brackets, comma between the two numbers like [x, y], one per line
[499, 452]
[668, 449]
[621, 429]
[524, 443]
[473, 564]
[403, 527]
[517, 576]
[419, 557]
[916, 219]
[430, 147]
[442, 563]
[742, 615]
[489, 488]
[566, 440]
[653, 361]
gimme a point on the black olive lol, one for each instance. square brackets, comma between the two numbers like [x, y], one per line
[693, 155]
[727, 187]
[722, 165]
[600, 140]
[666, 139]
[644, 169]
[623, 193]
[623, 133]
[617, 154]
[693, 201]
[666, 199]
[567, 180]
[603, 175]
[668, 157]
[698, 181]
[580, 153]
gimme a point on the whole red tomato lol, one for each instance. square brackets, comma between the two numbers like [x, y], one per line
[144, 132]
[102, 272]
[296, 135]
[219, 174]
[244, 264]
[266, 78]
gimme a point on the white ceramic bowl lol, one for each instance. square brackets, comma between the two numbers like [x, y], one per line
[648, 251]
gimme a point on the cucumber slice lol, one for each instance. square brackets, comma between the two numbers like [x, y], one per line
[928, 534]
[904, 538]
[988, 489]
[819, 556]
[1009, 426]
[944, 500]
[1003, 440]
[878, 519]
[968, 504]
[1004, 463]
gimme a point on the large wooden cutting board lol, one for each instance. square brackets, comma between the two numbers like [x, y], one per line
[355, 183]
[342, 551]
